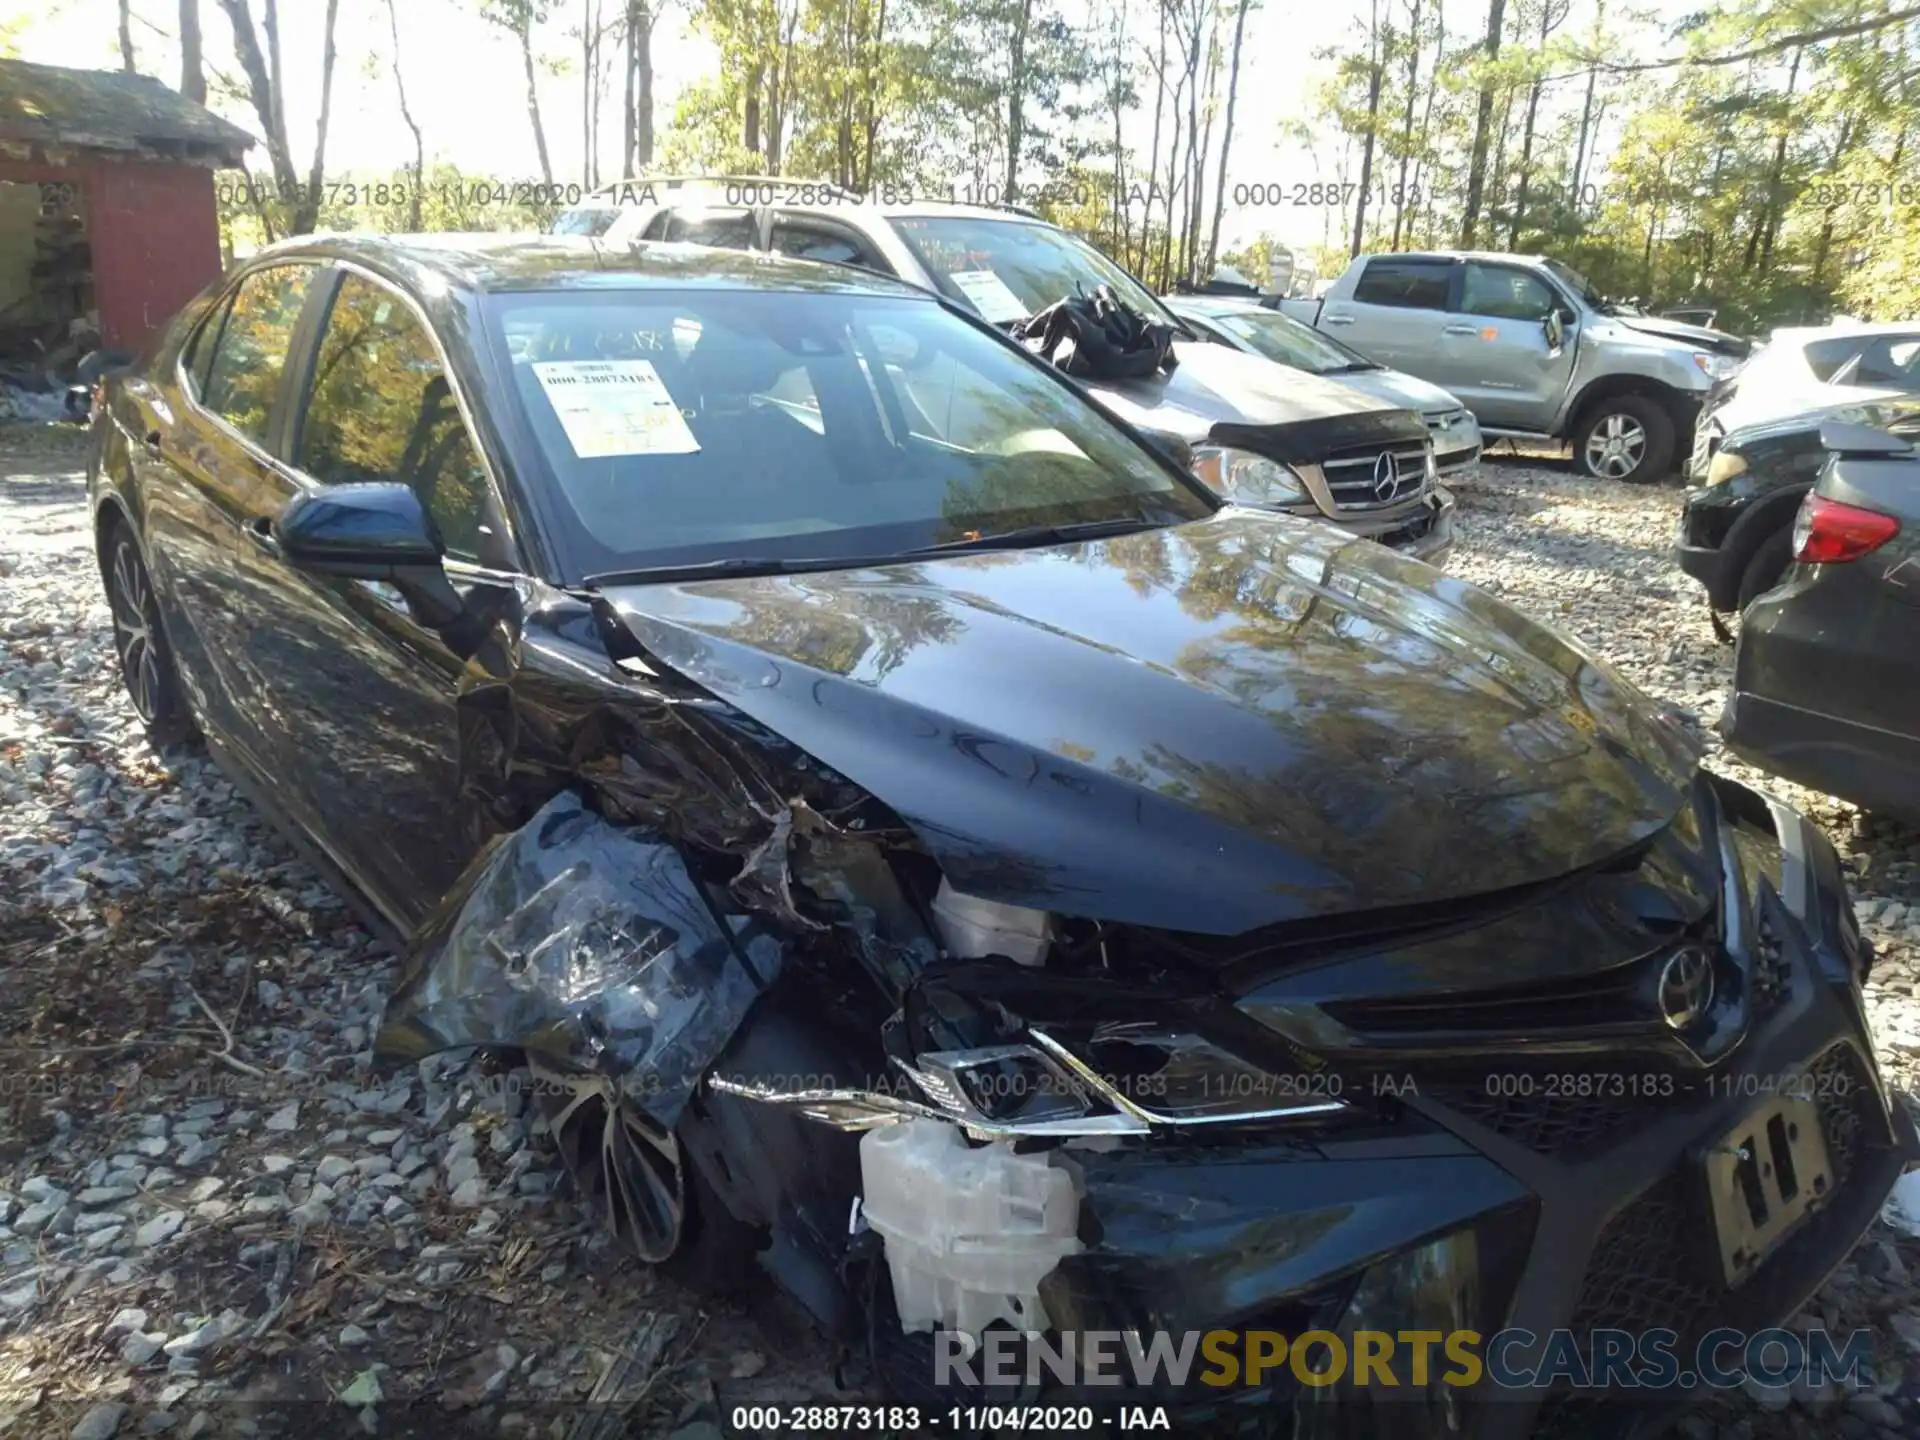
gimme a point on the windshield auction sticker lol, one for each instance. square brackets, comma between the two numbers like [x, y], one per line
[615, 407]
[990, 295]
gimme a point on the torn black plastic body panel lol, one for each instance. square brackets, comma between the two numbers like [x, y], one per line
[590, 943]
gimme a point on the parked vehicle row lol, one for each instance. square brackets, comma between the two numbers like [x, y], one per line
[1268, 436]
[716, 668]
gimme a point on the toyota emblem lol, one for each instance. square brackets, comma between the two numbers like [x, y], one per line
[1386, 476]
[1686, 987]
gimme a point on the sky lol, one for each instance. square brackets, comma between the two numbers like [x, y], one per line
[465, 86]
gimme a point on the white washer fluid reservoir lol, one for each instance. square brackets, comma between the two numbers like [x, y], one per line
[969, 1231]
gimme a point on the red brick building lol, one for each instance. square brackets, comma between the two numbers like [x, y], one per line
[106, 203]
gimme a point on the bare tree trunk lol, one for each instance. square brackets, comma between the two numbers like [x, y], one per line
[1482, 122]
[419, 143]
[750, 120]
[270, 22]
[261, 94]
[126, 37]
[1226, 137]
[1116, 91]
[1375, 63]
[588, 39]
[629, 101]
[872, 87]
[1774, 199]
[643, 86]
[307, 215]
[524, 32]
[1406, 120]
[193, 74]
[1016, 86]
[1153, 153]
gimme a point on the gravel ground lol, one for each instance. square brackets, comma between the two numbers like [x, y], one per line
[213, 1210]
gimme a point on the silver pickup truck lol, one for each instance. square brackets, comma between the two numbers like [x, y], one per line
[1533, 350]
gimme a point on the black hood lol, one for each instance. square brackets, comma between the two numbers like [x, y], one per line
[1901, 416]
[1242, 721]
[1214, 386]
[1718, 341]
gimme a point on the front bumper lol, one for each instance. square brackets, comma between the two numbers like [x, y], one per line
[1424, 532]
[1575, 1215]
[1698, 547]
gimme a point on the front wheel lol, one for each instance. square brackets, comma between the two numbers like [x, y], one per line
[1627, 438]
[146, 660]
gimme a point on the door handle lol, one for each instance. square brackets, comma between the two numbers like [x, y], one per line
[1338, 319]
[152, 443]
[1463, 330]
[260, 532]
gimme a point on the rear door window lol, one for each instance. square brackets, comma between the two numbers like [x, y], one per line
[808, 239]
[724, 230]
[1407, 284]
[243, 376]
[382, 408]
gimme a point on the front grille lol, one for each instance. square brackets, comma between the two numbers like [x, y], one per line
[1653, 1267]
[1772, 975]
[1554, 1118]
[1705, 442]
[1358, 479]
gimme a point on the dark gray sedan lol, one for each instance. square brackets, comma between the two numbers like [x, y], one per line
[1826, 685]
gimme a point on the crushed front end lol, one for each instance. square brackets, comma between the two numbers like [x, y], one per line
[925, 1113]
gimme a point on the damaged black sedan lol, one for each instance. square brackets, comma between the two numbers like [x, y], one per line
[936, 857]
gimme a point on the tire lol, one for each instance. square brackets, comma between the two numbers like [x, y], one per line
[140, 642]
[1629, 437]
[1766, 566]
[650, 1195]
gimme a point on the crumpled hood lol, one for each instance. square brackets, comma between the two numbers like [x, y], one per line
[1696, 335]
[1241, 721]
[1212, 384]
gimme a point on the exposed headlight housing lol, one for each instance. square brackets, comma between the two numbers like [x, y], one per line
[1716, 367]
[1247, 478]
[1724, 466]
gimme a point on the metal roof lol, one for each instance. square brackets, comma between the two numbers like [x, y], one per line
[111, 110]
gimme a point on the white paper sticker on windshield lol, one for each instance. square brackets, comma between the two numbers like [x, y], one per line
[615, 407]
[990, 295]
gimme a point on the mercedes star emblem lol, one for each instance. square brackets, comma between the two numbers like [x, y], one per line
[1386, 476]
[1686, 987]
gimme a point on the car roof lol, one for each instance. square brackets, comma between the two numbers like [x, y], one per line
[1801, 334]
[483, 261]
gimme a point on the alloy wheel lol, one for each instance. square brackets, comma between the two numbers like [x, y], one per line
[134, 629]
[1616, 447]
[618, 1158]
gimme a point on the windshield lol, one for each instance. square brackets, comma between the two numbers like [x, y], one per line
[1284, 339]
[1010, 269]
[686, 427]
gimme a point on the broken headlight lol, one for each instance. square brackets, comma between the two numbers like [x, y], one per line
[1174, 1078]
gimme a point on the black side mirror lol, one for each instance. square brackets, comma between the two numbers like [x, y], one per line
[374, 531]
[1173, 446]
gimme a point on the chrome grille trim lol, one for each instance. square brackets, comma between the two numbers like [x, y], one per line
[1349, 476]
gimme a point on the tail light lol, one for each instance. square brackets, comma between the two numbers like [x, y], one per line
[1827, 532]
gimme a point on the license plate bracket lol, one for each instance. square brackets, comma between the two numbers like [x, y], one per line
[1764, 1176]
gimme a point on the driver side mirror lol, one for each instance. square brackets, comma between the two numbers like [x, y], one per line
[1556, 324]
[373, 531]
